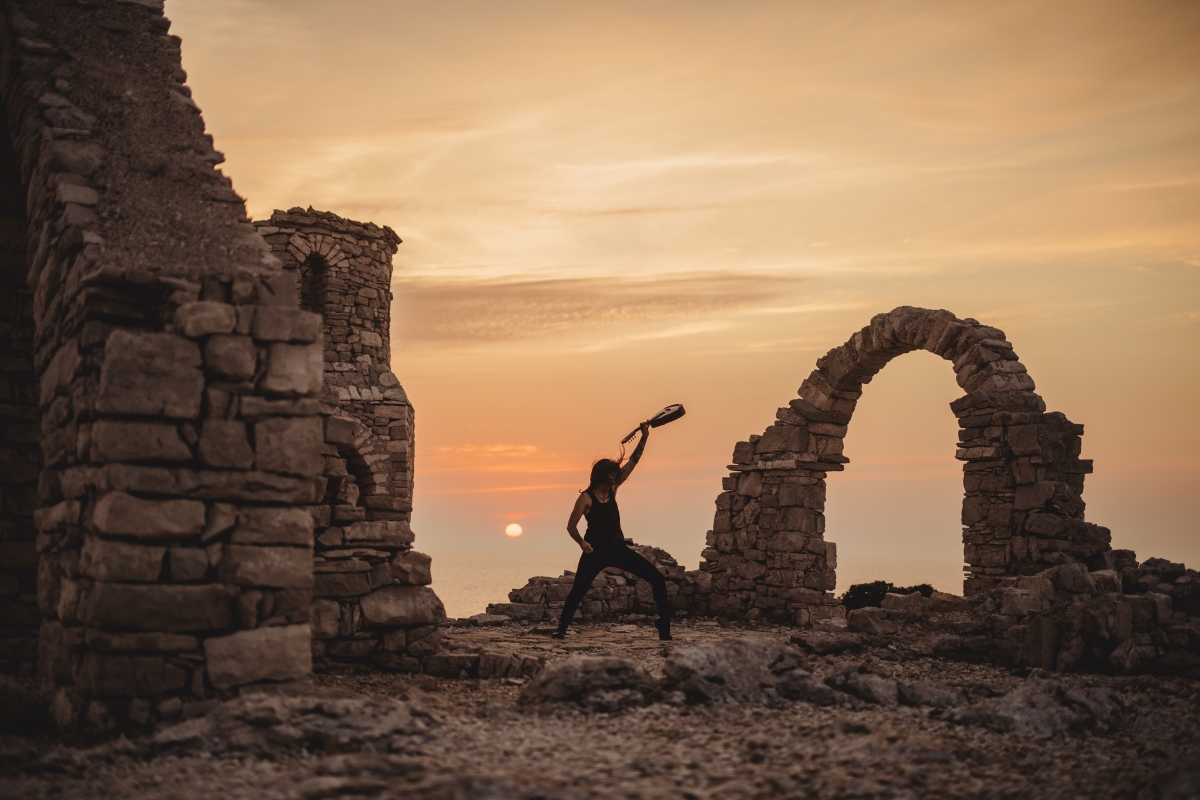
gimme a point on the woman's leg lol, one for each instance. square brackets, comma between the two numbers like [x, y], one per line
[589, 567]
[630, 561]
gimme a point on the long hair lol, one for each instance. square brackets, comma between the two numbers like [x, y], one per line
[603, 471]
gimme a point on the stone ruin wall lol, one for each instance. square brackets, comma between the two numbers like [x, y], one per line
[371, 600]
[767, 556]
[165, 442]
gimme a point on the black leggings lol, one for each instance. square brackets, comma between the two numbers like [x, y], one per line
[622, 558]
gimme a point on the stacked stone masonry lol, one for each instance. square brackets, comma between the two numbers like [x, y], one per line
[372, 600]
[767, 556]
[162, 435]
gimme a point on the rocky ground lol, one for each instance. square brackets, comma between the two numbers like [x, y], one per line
[707, 715]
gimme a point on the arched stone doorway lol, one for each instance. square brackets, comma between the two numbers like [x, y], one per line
[1022, 475]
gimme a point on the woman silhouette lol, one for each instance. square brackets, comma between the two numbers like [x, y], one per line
[604, 544]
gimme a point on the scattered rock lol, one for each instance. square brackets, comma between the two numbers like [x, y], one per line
[854, 679]
[596, 683]
[263, 724]
[828, 643]
[738, 670]
[1040, 708]
[920, 693]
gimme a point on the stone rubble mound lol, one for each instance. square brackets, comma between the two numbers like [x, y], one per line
[264, 723]
[743, 670]
[1041, 708]
[594, 683]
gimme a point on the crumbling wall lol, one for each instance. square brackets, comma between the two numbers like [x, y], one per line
[177, 381]
[371, 588]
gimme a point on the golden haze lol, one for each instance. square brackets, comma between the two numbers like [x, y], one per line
[608, 207]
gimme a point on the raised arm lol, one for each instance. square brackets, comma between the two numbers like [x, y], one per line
[636, 456]
[581, 507]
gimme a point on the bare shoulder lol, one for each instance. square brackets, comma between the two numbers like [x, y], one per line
[584, 502]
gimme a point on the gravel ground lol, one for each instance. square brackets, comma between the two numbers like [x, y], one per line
[478, 743]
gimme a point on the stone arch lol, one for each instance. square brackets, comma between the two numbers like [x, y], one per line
[1022, 475]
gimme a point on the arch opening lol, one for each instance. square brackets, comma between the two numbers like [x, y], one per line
[895, 512]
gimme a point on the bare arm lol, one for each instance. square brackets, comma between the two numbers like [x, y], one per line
[581, 506]
[636, 456]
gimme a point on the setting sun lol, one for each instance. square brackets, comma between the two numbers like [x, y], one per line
[513, 530]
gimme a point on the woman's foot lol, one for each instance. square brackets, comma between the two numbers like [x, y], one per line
[664, 629]
[559, 634]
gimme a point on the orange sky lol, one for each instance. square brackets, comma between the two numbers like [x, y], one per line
[608, 207]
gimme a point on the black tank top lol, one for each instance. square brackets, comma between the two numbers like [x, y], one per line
[604, 523]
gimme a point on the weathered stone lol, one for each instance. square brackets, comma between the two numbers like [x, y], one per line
[158, 607]
[739, 670]
[912, 606]
[392, 533]
[288, 526]
[325, 616]
[282, 567]
[121, 514]
[283, 324]
[151, 374]
[204, 318]
[266, 654]
[341, 584]
[116, 561]
[188, 564]
[340, 430]
[232, 357]
[223, 443]
[599, 683]
[130, 676]
[402, 606]
[412, 568]
[874, 621]
[137, 441]
[293, 369]
[919, 693]
[290, 445]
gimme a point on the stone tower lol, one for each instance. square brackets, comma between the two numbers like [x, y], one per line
[371, 599]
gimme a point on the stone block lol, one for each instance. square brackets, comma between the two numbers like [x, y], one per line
[325, 617]
[412, 568]
[204, 318]
[279, 653]
[294, 369]
[341, 584]
[289, 445]
[106, 560]
[266, 525]
[1034, 495]
[150, 374]
[391, 533]
[130, 676]
[1020, 602]
[232, 357]
[875, 621]
[224, 444]
[340, 430]
[402, 606]
[188, 564]
[121, 514]
[137, 441]
[158, 607]
[912, 606]
[783, 438]
[283, 324]
[279, 567]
